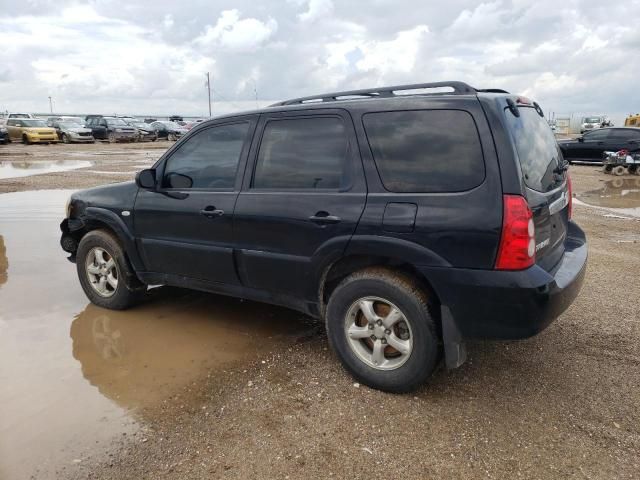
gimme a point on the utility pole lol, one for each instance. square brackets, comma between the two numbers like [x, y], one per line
[50, 105]
[209, 92]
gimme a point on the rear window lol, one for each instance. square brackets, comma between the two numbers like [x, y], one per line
[305, 153]
[426, 150]
[537, 149]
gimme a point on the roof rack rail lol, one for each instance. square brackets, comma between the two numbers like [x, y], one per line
[459, 88]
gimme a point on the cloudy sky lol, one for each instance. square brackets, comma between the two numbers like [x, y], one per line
[151, 56]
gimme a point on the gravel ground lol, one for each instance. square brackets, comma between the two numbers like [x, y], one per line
[563, 404]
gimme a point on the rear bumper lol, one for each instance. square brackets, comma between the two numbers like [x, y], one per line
[511, 305]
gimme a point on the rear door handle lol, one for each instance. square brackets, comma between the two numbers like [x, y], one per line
[323, 218]
[211, 212]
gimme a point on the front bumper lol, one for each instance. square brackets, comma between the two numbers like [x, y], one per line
[43, 138]
[510, 305]
[125, 136]
[76, 138]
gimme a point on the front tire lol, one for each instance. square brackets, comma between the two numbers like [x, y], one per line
[112, 138]
[380, 325]
[105, 274]
[65, 138]
[25, 140]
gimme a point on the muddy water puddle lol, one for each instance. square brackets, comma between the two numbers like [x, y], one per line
[75, 376]
[620, 196]
[26, 168]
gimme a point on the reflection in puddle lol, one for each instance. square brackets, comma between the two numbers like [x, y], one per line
[139, 357]
[27, 168]
[620, 195]
[74, 376]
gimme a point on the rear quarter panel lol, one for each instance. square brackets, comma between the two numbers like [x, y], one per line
[460, 229]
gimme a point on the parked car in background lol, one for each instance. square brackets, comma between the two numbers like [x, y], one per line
[31, 130]
[193, 123]
[4, 135]
[71, 130]
[111, 128]
[145, 131]
[407, 223]
[591, 146]
[168, 129]
[20, 115]
[175, 118]
[593, 123]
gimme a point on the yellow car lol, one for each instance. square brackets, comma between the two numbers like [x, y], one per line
[31, 130]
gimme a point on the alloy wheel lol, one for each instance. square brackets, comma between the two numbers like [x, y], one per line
[378, 333]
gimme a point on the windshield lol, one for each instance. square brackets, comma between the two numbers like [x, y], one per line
[537, 149]
[70, 124]
[32, 123]
[116, 122]
[141, 125]
[592, 120]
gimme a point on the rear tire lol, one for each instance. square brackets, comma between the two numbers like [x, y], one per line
[360, 325]
[105, 274]
[618, 170]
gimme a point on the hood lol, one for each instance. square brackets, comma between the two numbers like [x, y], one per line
[39, 129]
[115, 196]
[77, 130]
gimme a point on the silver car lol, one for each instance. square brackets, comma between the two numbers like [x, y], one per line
[71, 129]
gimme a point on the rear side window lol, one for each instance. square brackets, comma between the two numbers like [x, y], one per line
[620, 135]
[303, 153]
[537, 149]
[426, 150]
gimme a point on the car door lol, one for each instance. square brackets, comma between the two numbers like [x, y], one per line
[13, 126]
[302, 197]
[594, 144]
[625, 138]
[184, 226]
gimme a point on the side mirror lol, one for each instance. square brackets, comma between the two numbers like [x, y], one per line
[581, 139]
[146, 179]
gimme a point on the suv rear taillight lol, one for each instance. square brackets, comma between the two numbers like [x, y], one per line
[570, 192]
[517, 249]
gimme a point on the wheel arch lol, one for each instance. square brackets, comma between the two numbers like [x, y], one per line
[103, 219]
[345, 266]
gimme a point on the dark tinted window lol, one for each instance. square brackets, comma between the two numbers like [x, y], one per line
[302, 153]
[426, 150]
[537, 149]
[623, 135]
[208, 159]
[596, 136]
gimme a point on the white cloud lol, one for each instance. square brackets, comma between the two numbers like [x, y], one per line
[237, 34]
[150, 57]
[316, 9]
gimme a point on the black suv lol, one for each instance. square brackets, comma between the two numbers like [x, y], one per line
[112, 129]
[407, 221]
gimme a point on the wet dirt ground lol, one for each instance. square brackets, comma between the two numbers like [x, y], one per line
[190, 385]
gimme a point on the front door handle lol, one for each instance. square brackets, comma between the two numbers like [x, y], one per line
[211, 212]
[324, 218]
